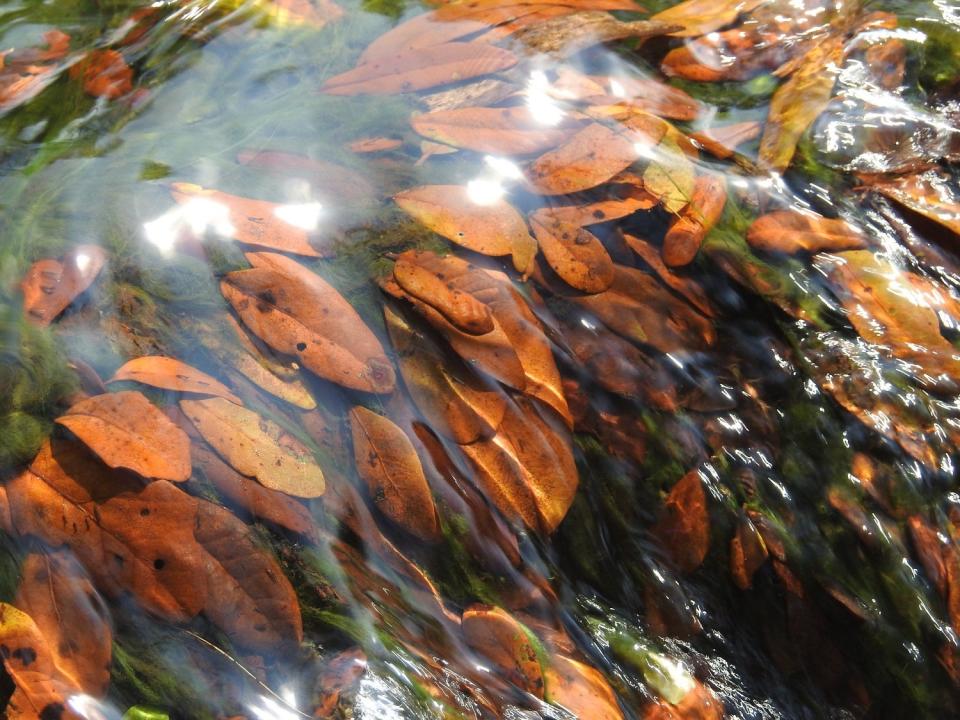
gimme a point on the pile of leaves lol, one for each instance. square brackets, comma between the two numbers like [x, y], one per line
[595, 399]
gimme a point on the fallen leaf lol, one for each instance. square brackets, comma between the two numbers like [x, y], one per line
[589, 158]
[928, 194]
[698, 704]
[688, 288]
[428, 149]
[747, 553]
[374, 144]
[454, 403]
[574, 253]
[798, 102]
[669, 175]
[683, 527]
[252, 222]
[527, 469]
[420, 68]
[699, 17]
[639, 309]
[26, 72]
[105, 74]
[176, 554]
[39, 691]
[722, 142]
[463, 311]
[499, 131]
[71, 617]
[507, 644]
[418, 32]
[580, 689]
[792, 231]
[270, 506]
[494, 228]
[255, 447]
[327, 178]
[387, 461]
[644, 94]
[171, 374]
[296, 312]
[682, 241]
[339, 675]
[477, 94]
[574, 32]
[50, 286]
[126, 431]
[601, 211]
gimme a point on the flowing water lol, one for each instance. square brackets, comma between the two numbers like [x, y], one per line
[381, 461]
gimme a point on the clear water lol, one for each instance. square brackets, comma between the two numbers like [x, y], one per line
[836, 437]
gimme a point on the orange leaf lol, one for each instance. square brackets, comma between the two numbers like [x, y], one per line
[178, 555]
[747, 553]
[928, 194]
[601, 211]
[580, 689]
[792, 231]
[297, 313]
[51, 285]
[464, 312]
[500, 131]
[492, 228]
[684, 286]
[251, 222]
[721, 142]
[683, 239]
[575, 254]
[374, 144]
[71, 616]
[387, 461]
[420, 68]
[126, 431]
[105, 74]
[171, 374]
[420, 31]
[684, 525]
[506, 643]
[255, 447]
[700, 17]
[589, 158]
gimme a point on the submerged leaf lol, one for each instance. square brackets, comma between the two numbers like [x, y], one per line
[464, 311]
[258, 223]
[501, 131]
[574, 32]
[126, 431]
[420, 68]
[670, 175]
[722, 142]
[388, 463]
[296, 312]
[490, 228]
[792, 231]
[105, 74]
[589, 158]
[928, 194]
[506, 643]
[699, 17]
[575, 254]
[176, 554]
[684, 525]
[255, 447]
[51, 285]
[580, 689]
[682, 241]
[171, 374]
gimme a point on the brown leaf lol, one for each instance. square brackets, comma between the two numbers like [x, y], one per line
[70, 616]
[698, 704]
[699, 17]
[639, 309]
[621, 205]
[747, 553]
[296, 312]
[798, 102]
[51, 285]
[105, 74]
[492, 228]
[792, 231]
[500, 131]
[580, 689]
[172, 374]
[683, 239]
[684, 286]
[251, 222]
[572, 33]
[644, 94]
[178, 555]
[507, 644]
[387, 461]
[420, 68]
[339, 675]
[722, 142]
[670, 175]
[24, 73]
[40, 691]
[683, 528]
[420, 31]
[928, 194]
[238, 491]
[463, 311]
[126, 431]
[589, 158]
[452, 400]
[527, 470]
[255, 447]
[574, 253]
